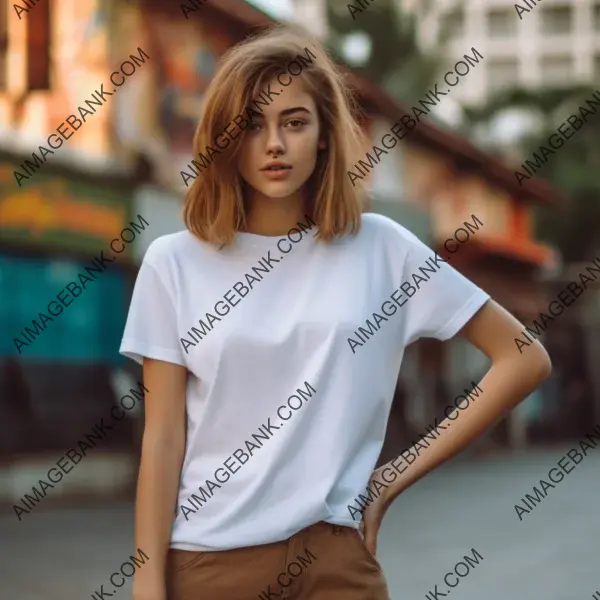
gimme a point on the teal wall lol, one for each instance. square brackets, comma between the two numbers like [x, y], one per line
[88, 330]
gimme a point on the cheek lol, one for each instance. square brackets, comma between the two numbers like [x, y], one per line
[307, 152]
[247, 159]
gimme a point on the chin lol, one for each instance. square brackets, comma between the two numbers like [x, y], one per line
[278, 190]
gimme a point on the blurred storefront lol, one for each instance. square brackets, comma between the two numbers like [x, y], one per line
[571, 402]
[57, 382]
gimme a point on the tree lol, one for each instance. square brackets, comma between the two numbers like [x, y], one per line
[395, 62]
[573, 169]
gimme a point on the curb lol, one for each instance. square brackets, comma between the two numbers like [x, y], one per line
[106, 474]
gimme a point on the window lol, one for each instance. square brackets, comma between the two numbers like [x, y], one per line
[597, 66]
[556, 20]
[556, 69]
[453, 24]
[38, 47]
[424, 6]
[502, 23]
[503, 74]
[3, 43]
[498, 212]
[596, 17]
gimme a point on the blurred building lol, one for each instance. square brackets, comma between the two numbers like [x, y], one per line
[66, 191]
[543, 44]
[537, 46]
[64, 195]
[122, 162]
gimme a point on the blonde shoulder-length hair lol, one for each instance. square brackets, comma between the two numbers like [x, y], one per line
[214, 207]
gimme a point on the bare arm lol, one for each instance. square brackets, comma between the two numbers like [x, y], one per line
[163, 448]
[511, 378]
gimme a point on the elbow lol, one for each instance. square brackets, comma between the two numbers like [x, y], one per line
[539, 364]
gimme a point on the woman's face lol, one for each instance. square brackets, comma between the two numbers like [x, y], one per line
[287, 131]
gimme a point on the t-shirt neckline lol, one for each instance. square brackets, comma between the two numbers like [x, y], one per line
[247, 240]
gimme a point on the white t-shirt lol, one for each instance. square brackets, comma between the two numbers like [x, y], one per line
[295, 347]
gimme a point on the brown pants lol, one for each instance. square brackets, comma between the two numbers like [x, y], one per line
[321, 562]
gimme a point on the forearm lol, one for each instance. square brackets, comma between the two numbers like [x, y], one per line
[503, 386]
[157, 488]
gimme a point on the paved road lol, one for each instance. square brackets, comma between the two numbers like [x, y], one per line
[553, 554]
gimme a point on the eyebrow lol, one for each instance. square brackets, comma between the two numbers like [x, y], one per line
[289, 111]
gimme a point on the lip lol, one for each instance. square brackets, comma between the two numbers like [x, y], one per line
[277, 175]
[276, 163]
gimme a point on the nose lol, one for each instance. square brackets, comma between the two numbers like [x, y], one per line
[275, 142]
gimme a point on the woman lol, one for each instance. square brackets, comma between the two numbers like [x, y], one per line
[268, 405]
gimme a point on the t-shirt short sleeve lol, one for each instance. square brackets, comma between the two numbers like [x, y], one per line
[151, 327]
[442, 304]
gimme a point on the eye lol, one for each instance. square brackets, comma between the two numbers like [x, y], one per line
[299, 123]
[254, 126]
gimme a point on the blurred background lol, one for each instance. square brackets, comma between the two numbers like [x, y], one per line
[125, 161]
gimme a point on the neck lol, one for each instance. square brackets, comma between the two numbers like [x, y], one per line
[275, 216]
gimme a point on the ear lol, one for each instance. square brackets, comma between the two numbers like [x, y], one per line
[322, 145]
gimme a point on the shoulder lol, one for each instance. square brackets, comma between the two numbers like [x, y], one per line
[379, 227]
[168, 249]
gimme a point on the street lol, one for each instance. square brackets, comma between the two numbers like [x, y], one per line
[553, 554]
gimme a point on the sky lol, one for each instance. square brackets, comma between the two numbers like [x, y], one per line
[278, 9]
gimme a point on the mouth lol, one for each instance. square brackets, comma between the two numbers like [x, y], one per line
[277, 168]
[277, 172]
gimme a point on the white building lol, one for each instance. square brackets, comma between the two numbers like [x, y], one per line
[541, 44]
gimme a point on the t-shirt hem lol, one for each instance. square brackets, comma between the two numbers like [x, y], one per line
[190, 547]
[199, 548]
[463, 317]
[137, 351]
[344, 522]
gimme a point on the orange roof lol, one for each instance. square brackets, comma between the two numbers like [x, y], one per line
[528, 251]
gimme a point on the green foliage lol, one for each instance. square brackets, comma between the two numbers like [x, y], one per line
[396, 62]
[544, 101]
[574, 169]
